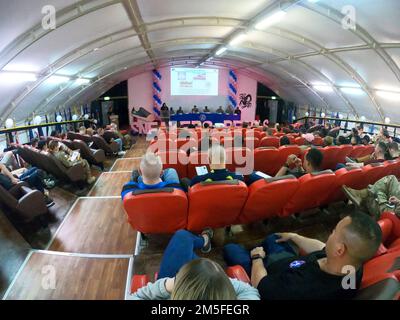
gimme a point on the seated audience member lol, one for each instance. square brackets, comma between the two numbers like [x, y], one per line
[360, 130]
[206, 125]
[380, 154]
[220, 110]
[284, 141]
[238, 111]
[269, 131]
[384, 136]
[34, 142]
[328, 141]
[393, 150]
[293, 165]
[206, 110]
[195, 109]
[82, 130]
[127, 139]
[278, 272]
[377, 198]
[308, 140]
[365, 140]
[217, 160]
[185, 276]
[245, 125]
[100, 132]
[151, 176]
[55, 134]
[90, 131]
[180, 111]
[33, 176]
[55, 149]
[42, 145]
[9, 159]
[341, 140]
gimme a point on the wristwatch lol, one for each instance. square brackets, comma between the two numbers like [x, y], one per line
[256, 256]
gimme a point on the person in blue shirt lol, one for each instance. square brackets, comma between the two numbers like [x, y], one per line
[151, 176]
[217, 160]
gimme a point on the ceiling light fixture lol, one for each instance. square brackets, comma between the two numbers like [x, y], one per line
[270, 20]
[388, 95]
[238, 39]
[7, 76]
[221, 51]
[323, 88]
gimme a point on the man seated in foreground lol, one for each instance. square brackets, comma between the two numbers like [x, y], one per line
[218, 170]
[331, 270]
[377, 198]
[185, 276]
[151, 176]
[380, 154]
[312, 163]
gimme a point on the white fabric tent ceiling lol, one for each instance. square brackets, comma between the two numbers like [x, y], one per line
[107, 41]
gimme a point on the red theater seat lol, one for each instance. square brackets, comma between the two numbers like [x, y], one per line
[331, 157]
[382, 266]
[240, 160]
[367, 150]
[344, 151]
[392, 238]
[357, 152]
[267, 197]
[157, 210]
[390, 167]
[197, 159]
[318, 141]
[300, 141]
[176, 159]
[266, 160]
[291, 138]
[251, 142]
[237, 272]
[373, 172]
[312, 192]
[269, 142]
[186, 144]
[139, 281]
[215, 204]
[351, 177]
[161, 145]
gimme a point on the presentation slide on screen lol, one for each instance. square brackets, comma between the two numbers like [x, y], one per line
[194, 82]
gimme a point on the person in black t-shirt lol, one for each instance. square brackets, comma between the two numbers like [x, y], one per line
[327, 271]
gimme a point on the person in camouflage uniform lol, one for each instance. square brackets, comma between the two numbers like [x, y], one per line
[383, 195]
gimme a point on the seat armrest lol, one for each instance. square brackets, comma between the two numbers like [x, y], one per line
[16, 189]
[237, 272]
[139, 281]
[31, 204]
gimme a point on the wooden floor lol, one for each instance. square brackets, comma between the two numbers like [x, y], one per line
[94, 246]
[126, 164]
[76, 278]
[110, 184]
[96, 226]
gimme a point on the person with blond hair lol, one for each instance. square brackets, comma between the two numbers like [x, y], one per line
[151, 176]
[217, 162]
[185, 276]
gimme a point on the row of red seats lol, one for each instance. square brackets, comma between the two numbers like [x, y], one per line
[248, 141]
[267, 160]
[220, 204]
[381, 274]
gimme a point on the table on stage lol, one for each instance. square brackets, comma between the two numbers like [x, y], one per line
[205, 116]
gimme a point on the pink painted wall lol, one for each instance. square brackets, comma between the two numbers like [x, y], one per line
[140, 93]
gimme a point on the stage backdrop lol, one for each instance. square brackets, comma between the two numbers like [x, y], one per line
[140, 92]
